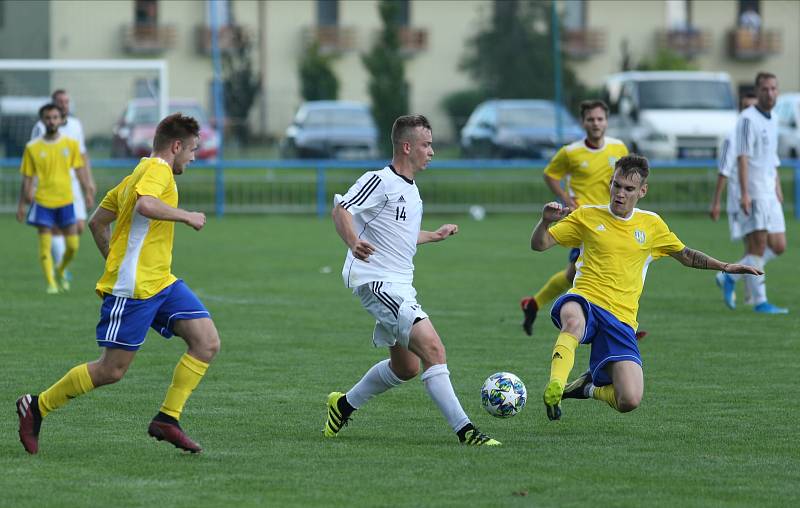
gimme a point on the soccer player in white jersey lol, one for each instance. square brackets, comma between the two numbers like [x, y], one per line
[760, 194]
[728, 179]
[71, 128]
[379, 220]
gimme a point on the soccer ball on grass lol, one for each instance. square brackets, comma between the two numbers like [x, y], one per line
[503, 395]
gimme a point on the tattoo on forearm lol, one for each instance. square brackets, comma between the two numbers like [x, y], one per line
[695, 258]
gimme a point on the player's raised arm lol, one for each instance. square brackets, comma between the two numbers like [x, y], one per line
[444, 231]
[541, 239]
[702, 261]
[100, 226]
[153, 208]
[343, 220]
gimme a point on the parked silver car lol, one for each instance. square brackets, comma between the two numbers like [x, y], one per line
[331, 130]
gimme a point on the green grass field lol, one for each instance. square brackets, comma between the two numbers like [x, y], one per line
[717, 427]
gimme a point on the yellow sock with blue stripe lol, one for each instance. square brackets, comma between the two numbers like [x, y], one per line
[563, 357]
[46, 258]
[73, 242]
[606, 394]
[185, 379]
[556, 285]
[74, 383]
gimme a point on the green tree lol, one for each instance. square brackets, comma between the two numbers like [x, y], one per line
[512, 56]
[666, 60]
[388, 88]
[317, 79]
[242, 85]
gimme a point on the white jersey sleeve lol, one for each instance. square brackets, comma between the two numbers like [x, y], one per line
[366, 193]
[38, 130]
[745, 136]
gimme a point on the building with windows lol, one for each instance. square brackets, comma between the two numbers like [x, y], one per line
[599, 37]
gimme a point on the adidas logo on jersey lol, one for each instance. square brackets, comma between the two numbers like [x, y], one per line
[401, 200]
[584, 164]
[601, 227]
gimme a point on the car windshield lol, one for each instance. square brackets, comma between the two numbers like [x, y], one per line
[149, 114]
[337, 118]
[532, 117]
[688, 94]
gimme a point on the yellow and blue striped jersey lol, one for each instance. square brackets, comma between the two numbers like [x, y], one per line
[49, 162]
[140, 255]
[588, 170]
[615, 254]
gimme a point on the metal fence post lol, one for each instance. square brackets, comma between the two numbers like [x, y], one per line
[321, 204]
[796, 164]
[219, 189]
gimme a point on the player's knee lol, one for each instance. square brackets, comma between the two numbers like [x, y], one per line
[406, 371]
[628, 402]
[573, 325]
[108, 374]
[778, 247]
[211, 342]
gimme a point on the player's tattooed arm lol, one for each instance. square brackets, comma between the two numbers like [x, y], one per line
[702, 261]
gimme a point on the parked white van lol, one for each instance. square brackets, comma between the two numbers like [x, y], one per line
[671, 114]
[788, 110]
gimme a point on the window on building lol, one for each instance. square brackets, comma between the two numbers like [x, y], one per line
[327, 12]
[403, 12]
[146, 12]
[749, 14]
[678, 15]
[574, 17]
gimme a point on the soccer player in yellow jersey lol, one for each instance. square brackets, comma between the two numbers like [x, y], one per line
[586, 167]
[617, 243]
[48, 159]
[139, 291]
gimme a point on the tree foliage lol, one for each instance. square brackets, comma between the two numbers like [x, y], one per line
[666, 60]
[317, 79]
[387, 86]
[241, 84]
[512, 56]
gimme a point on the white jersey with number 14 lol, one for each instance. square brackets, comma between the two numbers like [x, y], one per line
[387, 212]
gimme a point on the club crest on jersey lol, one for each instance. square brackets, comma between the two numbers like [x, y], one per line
[65, 152]
[639, 235]
[612, 161]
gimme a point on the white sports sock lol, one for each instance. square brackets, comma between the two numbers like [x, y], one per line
[744, 261]
[377, 380]
[59, 245]
[437, 383]
[769, 255]
[756, 284]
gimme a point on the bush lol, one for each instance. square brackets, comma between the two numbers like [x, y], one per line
[459, 105]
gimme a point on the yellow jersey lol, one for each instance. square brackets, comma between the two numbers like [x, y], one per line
[588, 171]
[49, 162]
[140, 254]
[615, 254]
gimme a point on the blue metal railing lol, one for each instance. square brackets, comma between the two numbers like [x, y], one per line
[321, 168]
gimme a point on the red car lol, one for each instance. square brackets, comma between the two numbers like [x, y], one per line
[133, 133]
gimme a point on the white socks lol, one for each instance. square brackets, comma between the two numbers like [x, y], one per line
[57, 248]
[377, 380]
[756, 284]
[437, 383]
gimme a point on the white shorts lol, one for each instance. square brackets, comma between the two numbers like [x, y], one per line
[765, 215]
[78, 202]
[395, 309]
